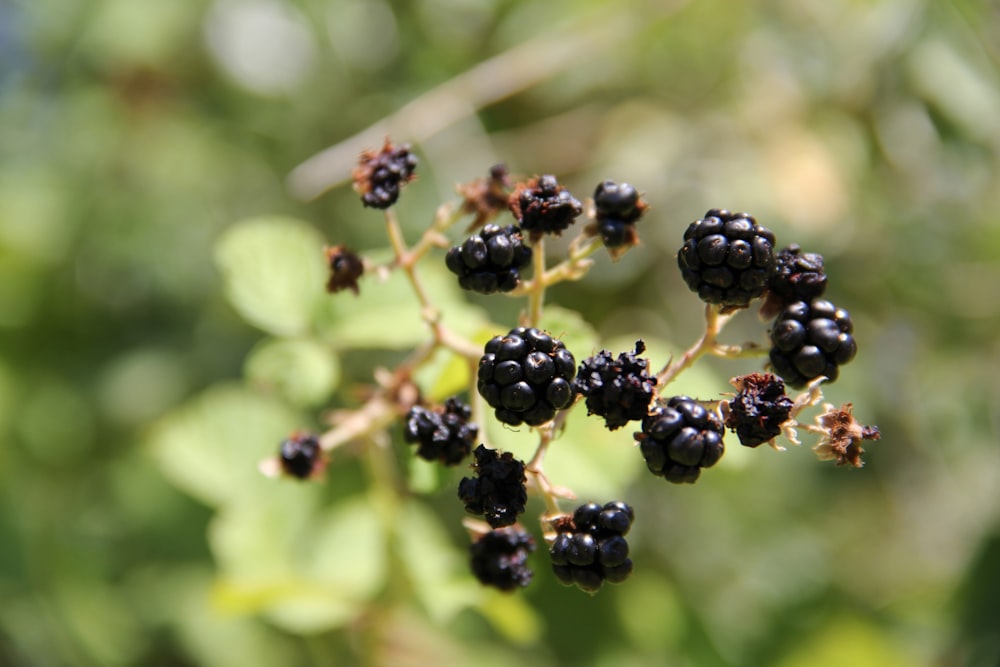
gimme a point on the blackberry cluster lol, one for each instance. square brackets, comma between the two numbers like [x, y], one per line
[300, 454]
[497, 492]
[797, 276]
[443, 435]
[542, 206]
[811, 339]
[380, 175]
[590, 548]
[488, 262]
[679, 439]
[759, 408]
[618, 208]
[526, 376]
[617, 389]
[500, 558]
[727, 258]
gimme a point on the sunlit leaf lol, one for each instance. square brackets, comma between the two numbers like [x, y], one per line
[303, 371]
[273, 272]
[438, 570]
[210, 447]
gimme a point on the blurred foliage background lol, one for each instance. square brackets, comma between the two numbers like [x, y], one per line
[135, 401]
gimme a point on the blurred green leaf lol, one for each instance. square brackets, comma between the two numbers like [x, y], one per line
[387, 313]
[513, 617]
[211, 446]
[847, 641]
[273, 272]
[303, 371]
[437, 570]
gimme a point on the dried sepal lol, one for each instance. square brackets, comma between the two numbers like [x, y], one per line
[842, 435]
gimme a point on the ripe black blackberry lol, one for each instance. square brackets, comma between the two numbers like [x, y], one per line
[798, 276]
[759, 408]
[542, 206]
[497, 492]
[488, 262]
[444, 434]
[618, 207]
[526, 376]
[617, 389]
[590, 547]
[811, 339]
[300, 454]
[727, 258]
[380, 175]
[500, 558]
[680, 438]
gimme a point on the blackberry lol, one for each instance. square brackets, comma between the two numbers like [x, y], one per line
[380, 175]
[680, 438]
[498, 490]
[300, 454]
[345, 269]
[727, 258]
[526, 376]
[757, 412]
[798, 276]
[443, 435]
[500, 558]
[617, 389]
[542, 206]
[618, 207]
[590, 547]
[811, 339]
[488, 262]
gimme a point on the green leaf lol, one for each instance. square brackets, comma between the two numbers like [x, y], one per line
[437, 570]
[387, 313]
[210, 447]
[273, 272]
[513, 617]
[303, 371]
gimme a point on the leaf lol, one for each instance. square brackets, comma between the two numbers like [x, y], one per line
[437, 570]
[303, 371]
[387, 313]
[210, 447]
[513, 617]
[273, 272]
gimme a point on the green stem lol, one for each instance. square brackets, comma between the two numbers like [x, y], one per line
[536, 296]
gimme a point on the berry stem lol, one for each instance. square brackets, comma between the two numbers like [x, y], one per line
[534, 468]
[714, 321]
[536, 293]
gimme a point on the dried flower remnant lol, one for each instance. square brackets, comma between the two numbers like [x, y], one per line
[380, 175]
[486, 198]
[842, 435]
[345, 269]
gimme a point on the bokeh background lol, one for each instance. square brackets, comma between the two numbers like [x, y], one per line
[133, 133]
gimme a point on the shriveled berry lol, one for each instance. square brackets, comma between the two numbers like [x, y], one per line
[759, 408]
[619, 390]
[542, 206]
[380, 174]
[345, 269]
[497, 492]
[444, 434]
[500, 558]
